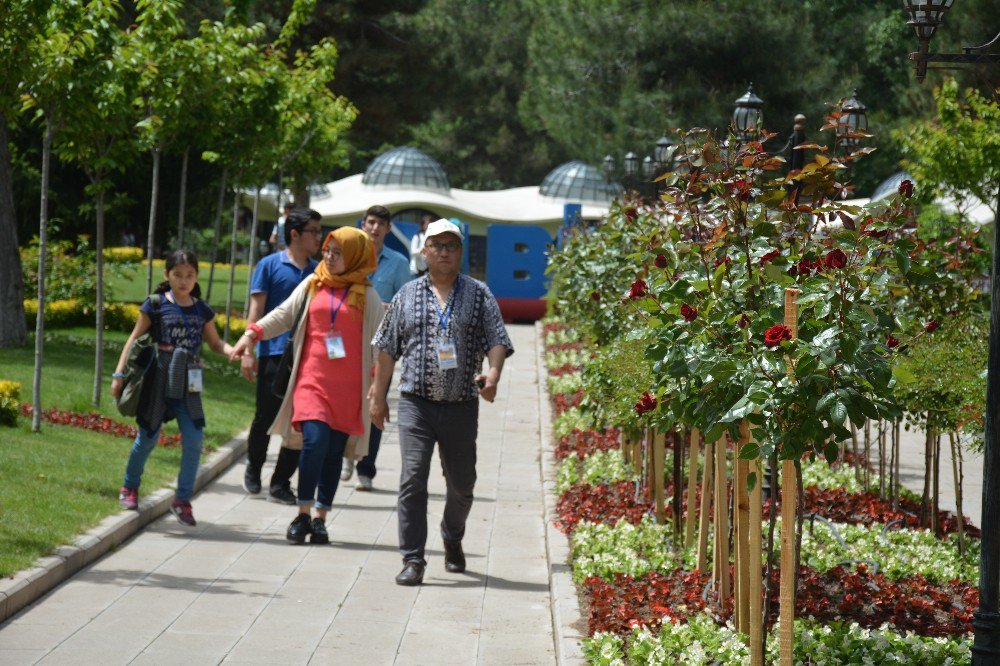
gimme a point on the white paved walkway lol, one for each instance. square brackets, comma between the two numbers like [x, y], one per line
[232, 590]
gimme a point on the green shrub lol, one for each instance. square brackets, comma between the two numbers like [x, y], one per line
[10, 402]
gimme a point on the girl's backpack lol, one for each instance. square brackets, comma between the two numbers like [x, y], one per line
[141, 359]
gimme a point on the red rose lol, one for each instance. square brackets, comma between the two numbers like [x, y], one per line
[744, 321]
[906, 189]
[808, 265]
[835, 259]
[647, 403]
[741, 189]
[632, 214]
[891, 342]
[770, 256]
[595, 295]
[931, 326]
[688, 312]
[660, 261]
[726, 260]
[774, 335]
[638, 290]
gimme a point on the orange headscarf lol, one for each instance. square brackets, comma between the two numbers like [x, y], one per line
[359, 262]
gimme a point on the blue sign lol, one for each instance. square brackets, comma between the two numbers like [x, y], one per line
[516, 260]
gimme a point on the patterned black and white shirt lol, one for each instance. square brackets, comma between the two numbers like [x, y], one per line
[412, 329]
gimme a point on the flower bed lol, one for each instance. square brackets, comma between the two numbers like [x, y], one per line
[97, 423]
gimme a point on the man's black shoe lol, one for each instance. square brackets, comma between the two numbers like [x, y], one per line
[454, 558]
[281, 495]
[319, 534]
[251, 481]
[412, 574]
[299, 528]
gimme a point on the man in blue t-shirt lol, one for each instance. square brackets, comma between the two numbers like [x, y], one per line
[274, 279]
[392, 273]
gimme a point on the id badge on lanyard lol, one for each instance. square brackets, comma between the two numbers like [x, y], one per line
[194, 380]
[334, 340]
[447, 357]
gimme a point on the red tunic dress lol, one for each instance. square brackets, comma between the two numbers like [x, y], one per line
[329, 389]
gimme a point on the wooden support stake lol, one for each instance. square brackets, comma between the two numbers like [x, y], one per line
[755, 579]
[650, 475]
[789, 508]
[706, 506]
[659, 455]
[692, 489]
[721, 519]
[742, 535]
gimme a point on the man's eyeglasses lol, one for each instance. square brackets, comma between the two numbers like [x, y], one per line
[439, 247]
[315, 232]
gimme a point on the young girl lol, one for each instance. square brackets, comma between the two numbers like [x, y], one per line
[173, 390]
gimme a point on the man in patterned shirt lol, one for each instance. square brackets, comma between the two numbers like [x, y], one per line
[442, 325]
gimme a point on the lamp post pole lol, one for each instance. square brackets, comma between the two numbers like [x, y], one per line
[926, 16]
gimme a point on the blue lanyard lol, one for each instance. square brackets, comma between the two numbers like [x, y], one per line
[335, 309]
[445, 317]
[190, 329]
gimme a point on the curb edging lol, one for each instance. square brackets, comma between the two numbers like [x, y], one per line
[566, 616]
[29, 585]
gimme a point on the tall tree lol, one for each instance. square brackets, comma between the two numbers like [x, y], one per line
[99, 137]
[19, 26]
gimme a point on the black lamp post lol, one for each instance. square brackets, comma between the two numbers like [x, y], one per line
[853, 122]
[748, 116]
[925, 17]
[640, 174]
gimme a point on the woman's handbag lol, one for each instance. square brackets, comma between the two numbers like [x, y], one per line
[283, 372]
[141, 358]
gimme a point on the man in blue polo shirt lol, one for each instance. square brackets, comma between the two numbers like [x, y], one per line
[274, 279]
[392, 273]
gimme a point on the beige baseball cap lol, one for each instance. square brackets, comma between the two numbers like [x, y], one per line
[443, 226]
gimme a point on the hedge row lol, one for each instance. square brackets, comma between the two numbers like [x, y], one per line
[117, 316]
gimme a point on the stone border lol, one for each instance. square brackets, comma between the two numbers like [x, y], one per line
[27, 586]
[566, 616]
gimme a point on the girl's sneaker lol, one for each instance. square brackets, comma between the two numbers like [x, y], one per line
[183, 512]
[319, 534]
[129, 498]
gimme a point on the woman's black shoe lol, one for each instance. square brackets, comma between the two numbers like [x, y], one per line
[299, 528]
[319, 534]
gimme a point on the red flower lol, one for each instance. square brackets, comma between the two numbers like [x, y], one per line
[906, 189]
[774, 335]
[741, 189]
[688, 312]
[647, 403]
[806, 265]
[931, 326]
[638, 290]
[770, 256]
[726, 260]
[744, 321]
[660, 261]
[891, 342]
[632, 214]
[835, 259]
[595, 295]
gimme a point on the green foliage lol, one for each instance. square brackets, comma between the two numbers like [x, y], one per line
[70, 272]
[957, 154]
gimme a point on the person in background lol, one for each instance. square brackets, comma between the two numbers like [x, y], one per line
[417, 264]
[326, 401]
[392, 273]
[182, 322]
[441, 325]
[277, 238]
[274, 279]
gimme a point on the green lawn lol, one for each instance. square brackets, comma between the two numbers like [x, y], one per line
[133, 290]
[63, 481]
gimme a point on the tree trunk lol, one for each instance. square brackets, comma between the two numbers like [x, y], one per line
[43, 236]
[881, 459]
[13, 332]
[182, 200]
[704, 512]
[956, 467]
[300, 195]
[216, 232]
[935, 524]
[252, 258]
[692, 488]
[99, 326]
[151, 231]
[928, 470]
[232, 263]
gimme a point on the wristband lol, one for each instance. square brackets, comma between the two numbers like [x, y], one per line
[255, 330]
[118, 375]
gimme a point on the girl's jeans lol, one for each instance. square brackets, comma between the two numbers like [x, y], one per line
[319, 464]
[145, 442]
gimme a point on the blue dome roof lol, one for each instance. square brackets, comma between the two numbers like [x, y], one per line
[406, 167]
[576, 181]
